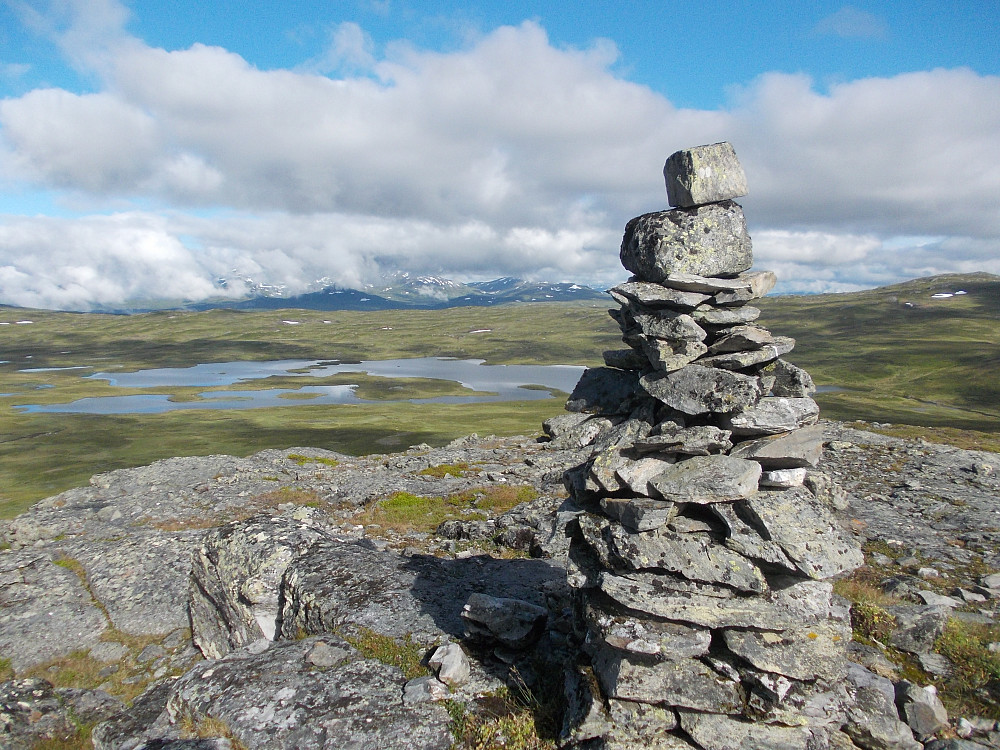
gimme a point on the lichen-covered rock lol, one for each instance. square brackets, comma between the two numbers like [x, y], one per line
[236, 580]
[710, 240]
[277, 698]
[708, 479]
[32, 712]
[698, 390]
[46, 612]
[688, 683]
[772, 415]
[805, 529]
[788, 450]
[704, 174]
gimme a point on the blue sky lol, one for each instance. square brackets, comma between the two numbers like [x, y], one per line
[148, 149]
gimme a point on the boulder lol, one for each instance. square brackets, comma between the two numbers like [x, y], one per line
[789, 380]
[704, 174]
[710, 240]
[872, 719]
[921, 708]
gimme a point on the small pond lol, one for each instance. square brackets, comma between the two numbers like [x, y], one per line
[492, 382]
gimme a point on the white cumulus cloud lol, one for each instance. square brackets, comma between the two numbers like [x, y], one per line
[507, 156]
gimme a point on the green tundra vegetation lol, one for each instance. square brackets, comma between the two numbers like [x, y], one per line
[893, 355]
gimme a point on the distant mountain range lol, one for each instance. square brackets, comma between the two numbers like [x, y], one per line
[400, 291]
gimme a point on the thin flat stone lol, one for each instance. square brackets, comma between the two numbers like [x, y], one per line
[805, 530]
[772, 415]
[720, 316]
[700, 440]
[657, 295]
[759, 281]
[696, 557]
[743, 360]
[710, 240]
[783, 479]
[708, 479]
[676, 682]
[802, 602]
[639, 513]
[810, 653]
[699, 390]
[704, 174]
[619, 629]
[741, 338]
[789, 450]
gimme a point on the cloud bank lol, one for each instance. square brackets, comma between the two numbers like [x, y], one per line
[510, 156]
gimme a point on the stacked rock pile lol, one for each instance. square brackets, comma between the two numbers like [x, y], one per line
[703, 564]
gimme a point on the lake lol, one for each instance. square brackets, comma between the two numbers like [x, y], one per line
[491, 382]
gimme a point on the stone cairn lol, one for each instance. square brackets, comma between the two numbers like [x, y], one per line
[702, 563]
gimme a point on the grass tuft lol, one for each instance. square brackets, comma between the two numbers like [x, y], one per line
[402, 653]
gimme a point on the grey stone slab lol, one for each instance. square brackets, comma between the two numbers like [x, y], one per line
[789, 450]
[806, 530]
[513, 623]
[807, 653]
[674, 328]
[759, 282]
[701, 390]
[696, 557]
[617, 628]
[675, 682]
[801, 602]
[708, 479]
[709, 240]
[746, 359]
[725, 316]
[704, 174]
[667, 356]
[773, 415]
[639, 513]
[698, 440]
[657, 295]
[638, 475]
[740, 339]
[713, 731]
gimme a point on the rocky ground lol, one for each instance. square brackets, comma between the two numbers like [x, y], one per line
[284, 570]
